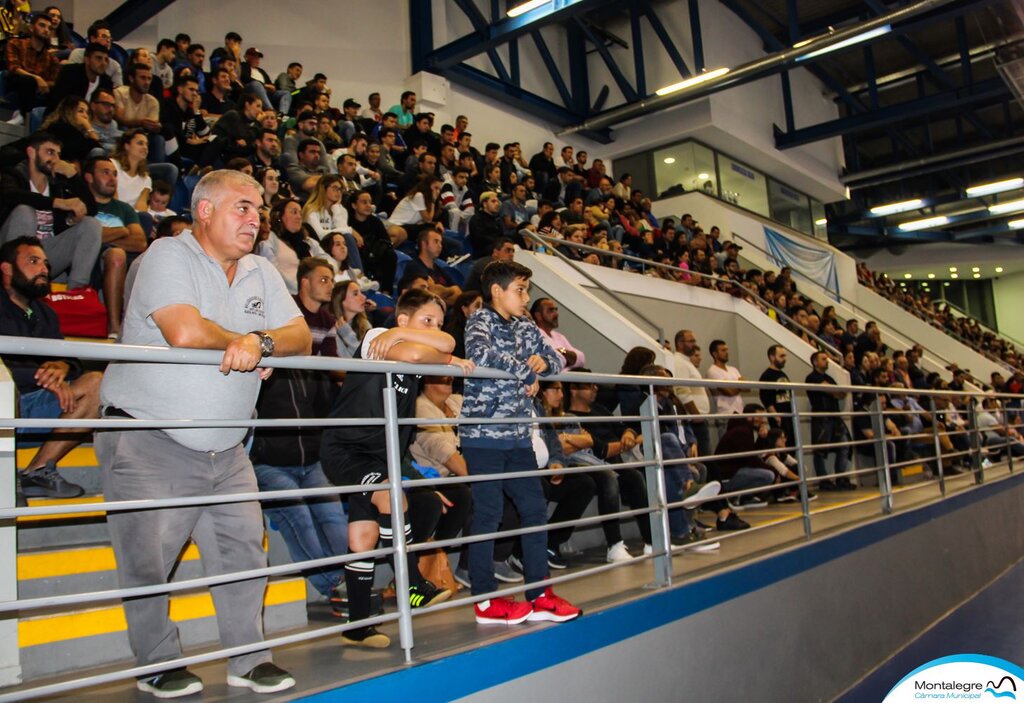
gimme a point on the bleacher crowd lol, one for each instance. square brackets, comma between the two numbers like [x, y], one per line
[390, 237]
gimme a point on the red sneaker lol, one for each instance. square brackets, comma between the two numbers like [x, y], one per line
[550, 607]
[504, 611]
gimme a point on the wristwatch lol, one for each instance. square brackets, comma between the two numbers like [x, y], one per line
[266, 343]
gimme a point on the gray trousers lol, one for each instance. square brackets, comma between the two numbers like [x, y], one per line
[74, 250]
[140, 464]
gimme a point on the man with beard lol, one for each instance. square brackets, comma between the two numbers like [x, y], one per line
[267, 150]
[43, 196]
[47, 388]
[778, 402]
[122, 235]
[306, 126]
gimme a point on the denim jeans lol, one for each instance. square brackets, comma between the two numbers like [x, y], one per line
[488, 506]
[825, 430]
[312, 528]
[680, 521]
[282, 98]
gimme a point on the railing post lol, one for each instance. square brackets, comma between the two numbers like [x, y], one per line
[654, 472]
[979, 469]
[405, 637]
[801, 464]
[881, 455]
[10, 656]
[1008, 441]
[937, 446]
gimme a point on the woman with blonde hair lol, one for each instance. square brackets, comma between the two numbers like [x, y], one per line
[70, 123]
[324, 213]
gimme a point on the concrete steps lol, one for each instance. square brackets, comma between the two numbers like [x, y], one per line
[69, 553]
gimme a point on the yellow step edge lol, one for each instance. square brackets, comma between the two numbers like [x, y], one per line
[48, 629]
[83, 500]
[82, 560]
[79, 456]
[913, 470]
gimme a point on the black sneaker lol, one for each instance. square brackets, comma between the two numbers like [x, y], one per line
[556, 561]
[827, 485]
[427, 594]
[366, 637]
[340, 604]
[265, 678]
[733, 522]
[702, 526]
[46, 482]
[171, 684]
[844, 484]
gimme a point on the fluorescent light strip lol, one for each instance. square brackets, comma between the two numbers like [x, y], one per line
[695, 80]
[821, 223]
[893, 208]
[926, 223]
[997, 187]
[857, 39]
[526, 7]
[1009, 206]
[1015, 224]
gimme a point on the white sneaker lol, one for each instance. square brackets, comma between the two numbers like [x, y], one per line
[17, 119]
[708, 490]
[648, 550]
[986, 463]
[618, 552]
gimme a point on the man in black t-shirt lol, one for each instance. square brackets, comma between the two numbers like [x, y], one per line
[355, 455]
[781, 400]
[827, 429]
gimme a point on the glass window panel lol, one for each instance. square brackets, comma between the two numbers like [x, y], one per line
[743, 186]
[818, 218]
[685, 167]
[789, 207]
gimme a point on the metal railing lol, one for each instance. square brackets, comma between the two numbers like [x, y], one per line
[551, 244]
[654, 464]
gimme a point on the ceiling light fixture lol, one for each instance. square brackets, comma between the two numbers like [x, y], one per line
[975, 269]
[855, 39]
[670, 159]
[907, 275]
[1008, 206]
[1015, 224]
[931, 275]
[926, 223]
[952, 269]
[703, 176]
[695, 80]
[954, 275]
[893, 208]
[526, 7]
[977, 275]
[821, 223]
[995, 187]
[999, 269]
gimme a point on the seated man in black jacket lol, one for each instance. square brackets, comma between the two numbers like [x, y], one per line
[82, 78]
[485, 226]
[740, 473]
[42, 196]
[47, 388]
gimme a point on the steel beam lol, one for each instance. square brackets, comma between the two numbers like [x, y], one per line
[666, 40]
[625, 87]
[553, 71]
[132, 14]
[480, 25]
[992, 90]
[507, 29]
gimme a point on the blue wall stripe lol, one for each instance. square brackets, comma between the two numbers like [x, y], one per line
[539, 648]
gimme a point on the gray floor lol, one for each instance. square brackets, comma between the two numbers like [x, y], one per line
[324, 663]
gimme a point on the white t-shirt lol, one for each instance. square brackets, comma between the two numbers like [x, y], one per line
[698, 396]
[726, 403]
[987, 422]
[408, 210]
[129, 188]
[324, 222]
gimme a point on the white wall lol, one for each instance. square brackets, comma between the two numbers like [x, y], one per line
[364, 46]
[1008, 292]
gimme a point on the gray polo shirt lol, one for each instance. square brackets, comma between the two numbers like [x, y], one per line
[176, 271]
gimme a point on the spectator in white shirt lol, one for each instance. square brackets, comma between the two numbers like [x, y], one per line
[694, 399]
[727, 400]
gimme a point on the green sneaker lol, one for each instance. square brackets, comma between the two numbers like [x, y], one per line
[265, 678]
[171, 684]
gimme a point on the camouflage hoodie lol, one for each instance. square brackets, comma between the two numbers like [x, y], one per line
[505, 345]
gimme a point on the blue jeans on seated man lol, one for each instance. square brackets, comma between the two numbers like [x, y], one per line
[748, 477]
[312, 528]
[997, 443]
[680, 520]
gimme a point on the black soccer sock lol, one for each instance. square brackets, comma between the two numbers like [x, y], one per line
[359, 583]
[387, 541]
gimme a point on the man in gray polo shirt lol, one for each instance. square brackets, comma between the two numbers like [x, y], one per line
[201, 290]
